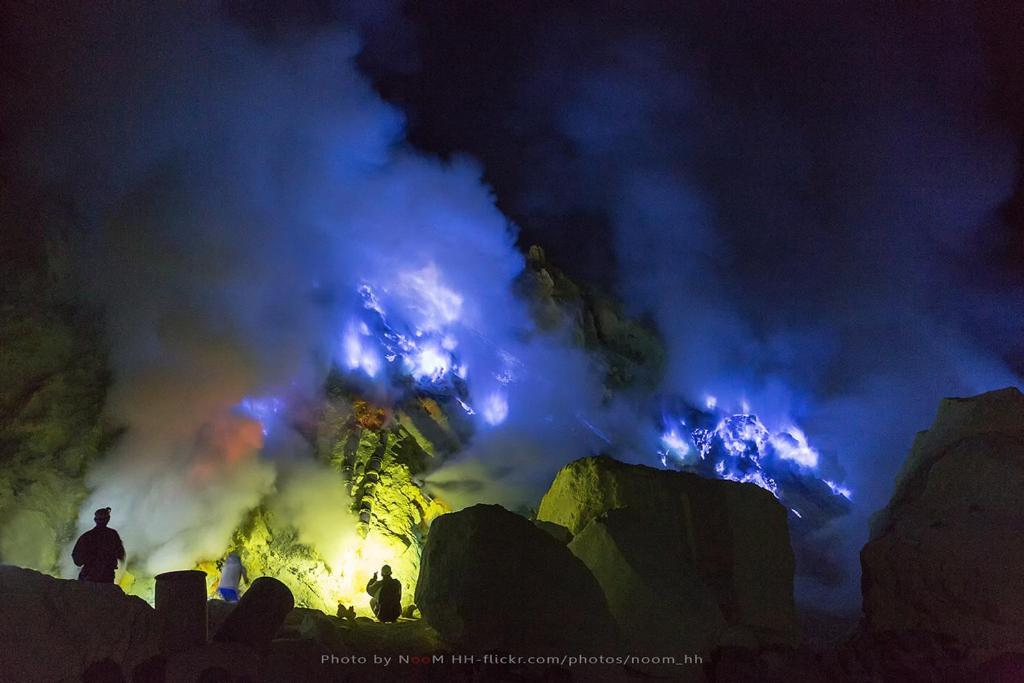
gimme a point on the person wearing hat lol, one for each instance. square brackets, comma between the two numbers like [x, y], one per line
[385, 595]
[98, 550]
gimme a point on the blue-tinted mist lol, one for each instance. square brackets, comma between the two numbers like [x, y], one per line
[797, 214]
[796, 198]
[238, 201]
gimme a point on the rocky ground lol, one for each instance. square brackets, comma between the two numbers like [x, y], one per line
[620, 559]
[942, 570]
[54, 381]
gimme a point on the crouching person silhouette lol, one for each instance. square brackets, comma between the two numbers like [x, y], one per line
[98, 550]
[385, 595]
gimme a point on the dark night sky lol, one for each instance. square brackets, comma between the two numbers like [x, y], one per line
[491, 79]
[791, 120]
[486, 78]
[819, 204]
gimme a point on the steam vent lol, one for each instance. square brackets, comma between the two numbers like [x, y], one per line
[511, 341]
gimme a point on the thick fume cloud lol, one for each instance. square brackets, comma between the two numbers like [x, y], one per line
[805, 197]
[799, 234]
[799, 198]
[317, 504]
[238, 192]
[551, 408]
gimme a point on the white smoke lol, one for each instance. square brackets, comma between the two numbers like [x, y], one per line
[235, 192]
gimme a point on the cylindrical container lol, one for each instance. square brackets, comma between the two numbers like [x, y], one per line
[258, 615]
[181, 608]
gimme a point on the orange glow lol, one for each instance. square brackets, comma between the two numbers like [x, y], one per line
[236, 438]
[369, 416]
[224, 443]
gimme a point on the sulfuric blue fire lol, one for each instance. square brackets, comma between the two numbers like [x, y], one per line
[421, 345]
[409, 333]
[740, 447]
[266, 411]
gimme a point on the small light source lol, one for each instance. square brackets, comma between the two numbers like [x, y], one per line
[495, 408]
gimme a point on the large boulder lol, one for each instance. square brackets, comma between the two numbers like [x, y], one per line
[258, 615]
[714, 553]
[947, 554]
[650, 583]
[490, 579]
[53, 629]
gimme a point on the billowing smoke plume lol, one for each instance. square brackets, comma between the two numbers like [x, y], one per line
[251, 201]
[317, 504]
[551, 407]
[801, 197]
[803, 256]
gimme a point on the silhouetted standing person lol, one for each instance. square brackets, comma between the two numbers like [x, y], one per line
[98, 550]
[232, 574]
[385, 595]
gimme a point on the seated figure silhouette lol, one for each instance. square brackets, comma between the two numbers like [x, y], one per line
[98, 550]
[385, 595]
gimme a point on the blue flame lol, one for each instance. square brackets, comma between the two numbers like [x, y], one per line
[791, 444]
[429, 363]
[264, 410]
[410, 332]
[740, 447]
[359, 351]
[495, 408]
[675, 444]
[411, 328]
[839, 489]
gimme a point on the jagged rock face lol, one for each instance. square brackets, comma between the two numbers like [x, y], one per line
[377, 455]
[271, 548]
[947, 554]
[491, 579]
[729, 543]
[52, 629]
[380, 462]
[53, 382]
[633, 352]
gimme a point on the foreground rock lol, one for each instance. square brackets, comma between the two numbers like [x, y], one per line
[258, 615]
[490, 579]
[53, 629]
[57, 630]
[212, 661]
[869, 657]
[682, 560]
[947, 553]
[651, 585]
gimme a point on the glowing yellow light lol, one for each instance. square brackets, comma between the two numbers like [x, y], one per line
[356, 562]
